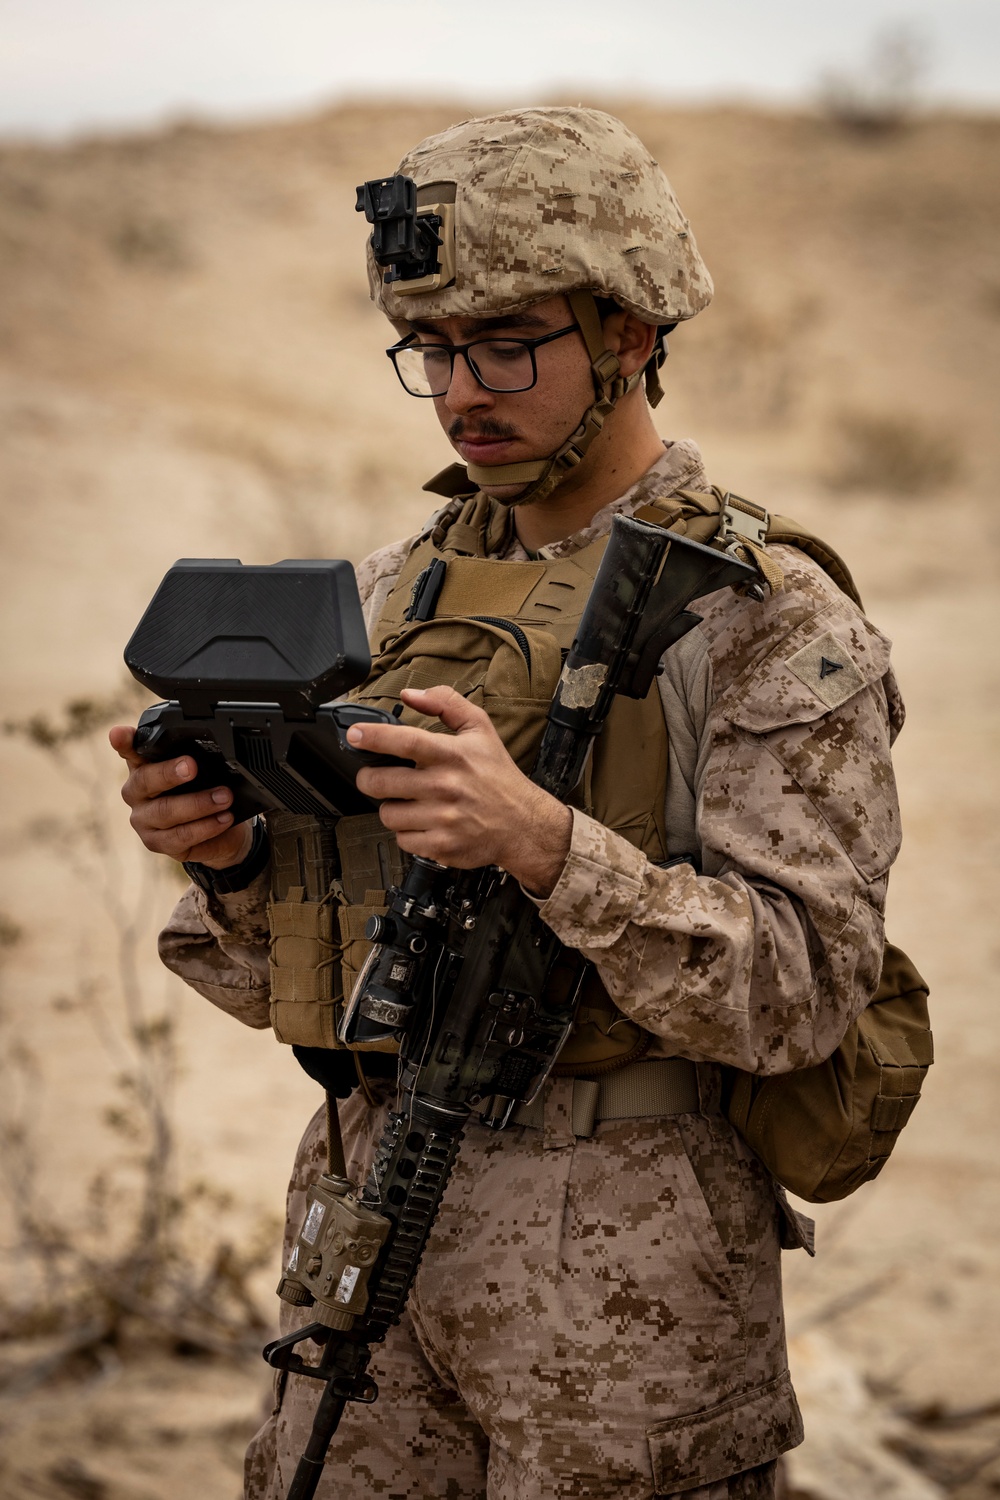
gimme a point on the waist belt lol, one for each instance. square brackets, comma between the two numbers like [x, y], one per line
[642, 1090]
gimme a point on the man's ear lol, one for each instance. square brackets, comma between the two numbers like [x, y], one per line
[630, 339]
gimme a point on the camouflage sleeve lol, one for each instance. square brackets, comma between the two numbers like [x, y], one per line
[219, 945]
[763, 958]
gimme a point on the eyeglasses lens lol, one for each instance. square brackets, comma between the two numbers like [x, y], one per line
[499, 364]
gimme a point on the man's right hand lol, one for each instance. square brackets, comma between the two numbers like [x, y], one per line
[188, 826]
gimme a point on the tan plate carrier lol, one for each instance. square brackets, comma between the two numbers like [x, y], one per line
[497, 635]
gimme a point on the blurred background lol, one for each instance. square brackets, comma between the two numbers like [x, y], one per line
[189, 366]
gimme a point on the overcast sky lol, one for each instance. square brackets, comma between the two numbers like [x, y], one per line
[75, 64]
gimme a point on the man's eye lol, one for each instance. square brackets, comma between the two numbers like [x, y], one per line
[434, 357]
[506, 350]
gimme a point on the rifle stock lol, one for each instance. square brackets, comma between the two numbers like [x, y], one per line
[637, 609]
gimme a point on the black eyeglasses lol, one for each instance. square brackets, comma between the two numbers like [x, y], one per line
[498, 364]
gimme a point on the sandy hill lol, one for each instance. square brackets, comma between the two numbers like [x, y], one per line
[188, 358]
[189, 366]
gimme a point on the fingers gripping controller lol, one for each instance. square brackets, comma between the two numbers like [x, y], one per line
[270, 762]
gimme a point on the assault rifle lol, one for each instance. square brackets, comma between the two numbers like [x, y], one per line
[478, 993]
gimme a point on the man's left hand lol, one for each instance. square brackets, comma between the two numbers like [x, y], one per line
[464, 802]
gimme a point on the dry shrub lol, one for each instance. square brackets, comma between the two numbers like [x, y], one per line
[149, 1253]
[150, 242]
[896, 454]
[881, 93]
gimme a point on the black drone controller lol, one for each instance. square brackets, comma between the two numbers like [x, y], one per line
[249, 659]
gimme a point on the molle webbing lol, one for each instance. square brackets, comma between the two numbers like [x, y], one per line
[547, 594]
[302, 949]
[304, 956]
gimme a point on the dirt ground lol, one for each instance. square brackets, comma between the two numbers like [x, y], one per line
[189, 367]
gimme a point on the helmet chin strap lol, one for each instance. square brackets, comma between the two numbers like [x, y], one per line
[541, 475]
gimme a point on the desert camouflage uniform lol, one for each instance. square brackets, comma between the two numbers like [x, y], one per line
[601, 1316]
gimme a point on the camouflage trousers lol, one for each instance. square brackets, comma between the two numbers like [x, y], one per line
[593, 1318]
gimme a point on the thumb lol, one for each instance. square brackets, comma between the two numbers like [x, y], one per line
[121, 737]
[444, 703]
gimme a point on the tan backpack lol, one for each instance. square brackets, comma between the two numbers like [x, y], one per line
[824, 1131]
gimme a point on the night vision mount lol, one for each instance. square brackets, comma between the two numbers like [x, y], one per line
[248, 660]
[416, 241]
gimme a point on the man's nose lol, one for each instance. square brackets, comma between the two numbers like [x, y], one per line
[465, 394]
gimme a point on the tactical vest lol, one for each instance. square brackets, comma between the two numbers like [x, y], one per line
[496, 631]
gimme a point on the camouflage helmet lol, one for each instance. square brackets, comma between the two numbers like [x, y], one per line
[549, 201]
[537, 203]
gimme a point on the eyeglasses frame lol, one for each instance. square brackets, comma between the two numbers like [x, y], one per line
[530, 344]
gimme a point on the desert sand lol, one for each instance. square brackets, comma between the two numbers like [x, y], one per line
[189, 366]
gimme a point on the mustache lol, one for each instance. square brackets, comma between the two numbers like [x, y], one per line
[486, 427]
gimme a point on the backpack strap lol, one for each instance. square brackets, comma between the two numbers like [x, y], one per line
[783, 530]
[728, 520]
[721, 519]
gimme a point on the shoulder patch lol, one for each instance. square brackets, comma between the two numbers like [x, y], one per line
[827, 669]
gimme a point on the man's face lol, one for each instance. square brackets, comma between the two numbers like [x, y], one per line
[506, 427]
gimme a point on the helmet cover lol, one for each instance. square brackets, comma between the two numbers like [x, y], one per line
[549, 201]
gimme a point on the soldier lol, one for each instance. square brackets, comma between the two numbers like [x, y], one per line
[598, 1312]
